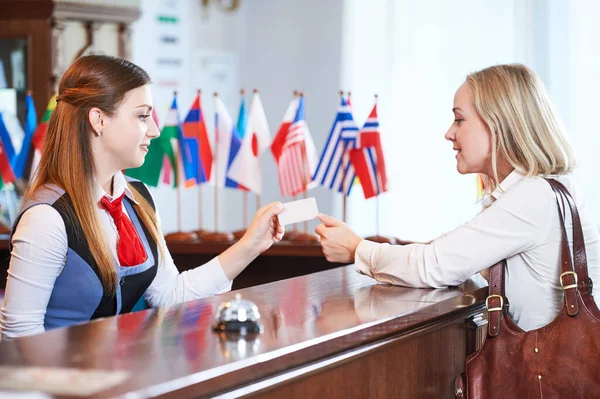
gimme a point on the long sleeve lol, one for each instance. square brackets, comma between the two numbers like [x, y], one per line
[37, 258]
[518, 221]
[171, 287]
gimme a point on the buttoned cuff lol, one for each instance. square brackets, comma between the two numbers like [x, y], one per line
[363, 258]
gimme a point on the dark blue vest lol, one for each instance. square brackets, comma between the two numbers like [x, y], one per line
[78, 295]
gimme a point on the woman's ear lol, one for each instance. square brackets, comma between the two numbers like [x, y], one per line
[96, 118]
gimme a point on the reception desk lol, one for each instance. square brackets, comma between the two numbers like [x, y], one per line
[332, 334]
[283, 260]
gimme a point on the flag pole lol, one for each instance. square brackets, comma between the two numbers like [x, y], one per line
[201, 232]
[179, 235]
[377, 237]
[238, 234]
[216, 236]
[344, 200]
[304, 236]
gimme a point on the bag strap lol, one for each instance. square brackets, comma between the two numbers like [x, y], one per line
[497, 303]
[579, 253]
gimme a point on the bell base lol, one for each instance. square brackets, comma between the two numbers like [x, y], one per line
[218, 237]
[238, 327]
[304, 237]
[239, 233]
[200, 233]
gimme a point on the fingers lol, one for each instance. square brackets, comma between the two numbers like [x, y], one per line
[274, 208]
[321, 230]
[328, 220]
[277, 205]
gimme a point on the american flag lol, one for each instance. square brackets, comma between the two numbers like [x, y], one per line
[335, 171]
[293, 166]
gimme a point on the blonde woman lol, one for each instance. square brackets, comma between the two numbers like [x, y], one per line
[87, 242]
[506, 129]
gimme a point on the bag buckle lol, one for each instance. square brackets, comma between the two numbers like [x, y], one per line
[568, 286]
[487, 303]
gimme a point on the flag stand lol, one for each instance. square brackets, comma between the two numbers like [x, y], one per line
[238, 234]
[377, 237]
[304, 236]
[179, 235]
[216, 236]
[201, 232]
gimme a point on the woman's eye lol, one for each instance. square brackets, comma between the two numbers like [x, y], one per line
[143, 117]
[459, 121]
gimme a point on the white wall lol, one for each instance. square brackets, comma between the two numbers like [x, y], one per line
[414, 55]
[418, 54]
[280, 46]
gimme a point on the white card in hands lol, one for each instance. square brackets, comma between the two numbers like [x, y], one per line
[299, 211]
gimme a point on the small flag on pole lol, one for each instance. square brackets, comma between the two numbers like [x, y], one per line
[245, 168]
[367, 158]
[334, 169]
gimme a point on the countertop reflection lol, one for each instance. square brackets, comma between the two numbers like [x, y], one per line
[304, 318]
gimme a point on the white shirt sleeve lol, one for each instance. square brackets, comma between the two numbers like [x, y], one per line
[171, 287]
[37, 258]
[516, 222]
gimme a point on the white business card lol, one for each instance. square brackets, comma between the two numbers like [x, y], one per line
[299, 211]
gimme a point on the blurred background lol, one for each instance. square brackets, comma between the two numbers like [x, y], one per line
[413, 54]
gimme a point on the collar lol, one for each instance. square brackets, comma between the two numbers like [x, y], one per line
[119, 187]
[513, 178]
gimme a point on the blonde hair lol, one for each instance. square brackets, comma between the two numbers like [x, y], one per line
[526, 131]
[67, 160]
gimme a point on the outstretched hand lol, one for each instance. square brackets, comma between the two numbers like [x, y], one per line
[338, 240]
[264, 229]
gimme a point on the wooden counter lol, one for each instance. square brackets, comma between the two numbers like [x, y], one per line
[333, 334]
[283, 260]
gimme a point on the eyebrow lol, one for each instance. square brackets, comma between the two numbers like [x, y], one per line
[145, 105]
[457, 109]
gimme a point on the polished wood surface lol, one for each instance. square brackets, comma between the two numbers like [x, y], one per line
[283, 260]
[335, 333]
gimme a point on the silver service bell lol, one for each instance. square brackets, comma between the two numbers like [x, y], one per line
[238, 316]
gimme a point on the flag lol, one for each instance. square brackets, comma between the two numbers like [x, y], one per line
[312, 156]
[187, 147]
[194, 126]
[368, 160]
[159, 149]
[288, 118]
[227, 142]
[334, 170]
[236, 143]
[40, 135]
[293, 167]
[245, 168]
[29, 130]
[6, 173]
[11, 135]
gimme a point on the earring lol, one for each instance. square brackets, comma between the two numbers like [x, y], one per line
[98, 134]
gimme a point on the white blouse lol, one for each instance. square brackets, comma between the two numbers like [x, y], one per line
[38, 257]
[520, 223]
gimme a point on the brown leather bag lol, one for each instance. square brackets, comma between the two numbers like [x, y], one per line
[559, 360]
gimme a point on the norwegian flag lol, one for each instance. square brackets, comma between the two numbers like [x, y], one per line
[293, 166]
[367, 158]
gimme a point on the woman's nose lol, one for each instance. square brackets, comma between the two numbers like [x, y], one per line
[450, 135]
